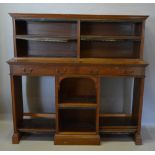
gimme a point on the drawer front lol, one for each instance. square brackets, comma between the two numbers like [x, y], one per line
[34, 70]
[102, 70]
[123, 71]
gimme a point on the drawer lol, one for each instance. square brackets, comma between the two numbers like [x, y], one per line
[32, 70]
[83, 70]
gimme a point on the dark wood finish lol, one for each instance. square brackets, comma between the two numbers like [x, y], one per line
[78, 50]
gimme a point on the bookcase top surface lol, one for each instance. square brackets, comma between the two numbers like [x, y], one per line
[102, 61]
[78, 16]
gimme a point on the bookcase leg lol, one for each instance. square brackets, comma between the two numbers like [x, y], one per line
[137, 107]
[16, 138]
[17, 106]
[138, 139]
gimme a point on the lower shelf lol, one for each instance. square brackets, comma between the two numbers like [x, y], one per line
[37, 125]
[107, 125]
[117, 125]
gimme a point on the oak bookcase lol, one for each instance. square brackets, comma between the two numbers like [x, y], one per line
[78, 50]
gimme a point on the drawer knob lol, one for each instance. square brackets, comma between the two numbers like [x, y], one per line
[128, 72]
[30, 70]
[64, 70]
[24, 70]
[57, 71]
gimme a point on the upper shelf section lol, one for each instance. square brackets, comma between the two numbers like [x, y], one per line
[78, 36]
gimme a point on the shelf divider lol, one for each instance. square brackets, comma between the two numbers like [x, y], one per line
[78, 38]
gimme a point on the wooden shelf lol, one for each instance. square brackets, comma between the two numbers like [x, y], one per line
[40, 115]
[120, 129]
[46, 38]
[117, 124]
[77, 105]
[37, 125]
[108, 38]
[117, 121]
[84, 99]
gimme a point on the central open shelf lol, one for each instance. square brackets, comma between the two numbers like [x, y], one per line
[77, 120]
[77, 105]
[77, 90]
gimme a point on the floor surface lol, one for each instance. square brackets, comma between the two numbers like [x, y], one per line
[31, 143]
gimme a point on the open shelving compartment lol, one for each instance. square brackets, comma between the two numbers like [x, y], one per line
[117, 115]
[110, 39]
[77, 120]
[77, 105]
[46, 38]
[36, 120]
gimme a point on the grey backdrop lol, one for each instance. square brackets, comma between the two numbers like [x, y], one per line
[43, 86]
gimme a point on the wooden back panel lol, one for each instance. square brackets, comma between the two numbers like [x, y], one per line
[108, 28]
[52, 28]
[77, 90]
